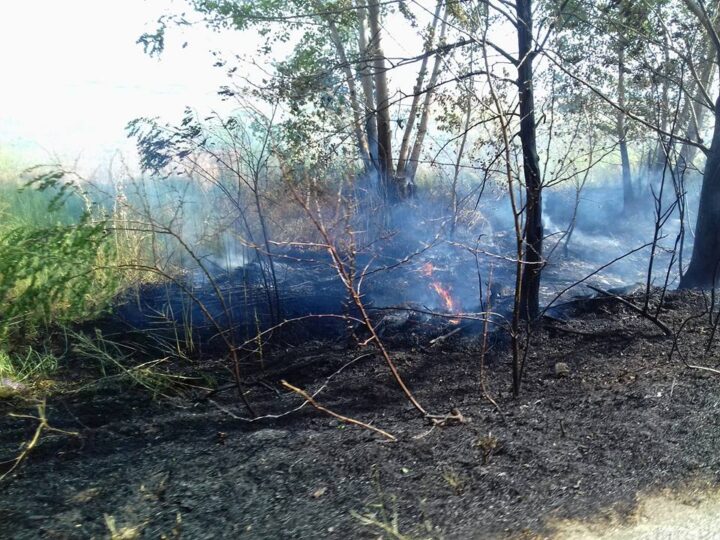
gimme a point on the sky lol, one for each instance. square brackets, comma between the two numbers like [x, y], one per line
[73, 76]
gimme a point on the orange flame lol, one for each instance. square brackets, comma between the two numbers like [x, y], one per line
[446, 298]
[427, 270]
[445, 295]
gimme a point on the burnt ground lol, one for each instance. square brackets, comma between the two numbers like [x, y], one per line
[626, 419]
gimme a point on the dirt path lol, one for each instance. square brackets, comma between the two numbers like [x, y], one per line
[688, 515]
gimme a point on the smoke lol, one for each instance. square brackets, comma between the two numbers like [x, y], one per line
[418, 256]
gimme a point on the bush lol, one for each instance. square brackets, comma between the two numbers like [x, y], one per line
[53, 265]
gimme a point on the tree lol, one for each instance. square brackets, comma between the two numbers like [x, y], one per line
[705, 260]
[335, 81]
[533, 231]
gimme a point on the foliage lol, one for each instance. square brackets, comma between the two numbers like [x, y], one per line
[47, 274]
[54, 263]
[28, 365]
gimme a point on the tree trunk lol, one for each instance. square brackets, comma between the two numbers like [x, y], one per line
[628, 194]
[417, 90]
[366, 79]
[382, 99]
[694, 111]
[705, 261]
[458, 159]
[425, 117]
[361, 139]
[703, 268]
[533, 233]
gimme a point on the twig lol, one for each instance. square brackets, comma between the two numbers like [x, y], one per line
[666, 330]
[42, 425]
[484, 350]
[702, 368]
[440, 339]
[340, 417]
[588, 276]
[286, 413]
[347, 276]
[567, 329]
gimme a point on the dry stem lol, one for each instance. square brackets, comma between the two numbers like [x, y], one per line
[42, 425]
[340, 417]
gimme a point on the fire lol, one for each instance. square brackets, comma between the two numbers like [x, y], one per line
[427, 270]
[445, 295]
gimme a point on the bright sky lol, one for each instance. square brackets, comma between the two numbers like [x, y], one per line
[72, 75]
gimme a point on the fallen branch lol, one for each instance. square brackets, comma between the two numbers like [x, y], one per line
[657, 322]
[676, 347]
[286, 413]
[591, 274]
[42, 426]
[340, 417]
[702, 368]
[442, 338]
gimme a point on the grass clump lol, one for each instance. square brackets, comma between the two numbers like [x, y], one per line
[56, 269]
[30, 365]
[116, 363]
[48, 275]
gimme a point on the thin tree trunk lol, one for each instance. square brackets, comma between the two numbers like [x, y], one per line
[366, 79]
[382, 99]
[533, 233]
[628, 194]
[417, 91]
[660, 155]
[694, 111]
[425, 117]
[458, 160]
[361, 139]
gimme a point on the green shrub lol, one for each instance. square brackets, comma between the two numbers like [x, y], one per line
[47, 274]
[55, 263]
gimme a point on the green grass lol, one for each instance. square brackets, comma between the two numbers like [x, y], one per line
[63, 260]
[29, 366]
[115, 363]
[56, 268]
[49, 271]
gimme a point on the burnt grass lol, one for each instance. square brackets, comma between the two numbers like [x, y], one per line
[626, 419]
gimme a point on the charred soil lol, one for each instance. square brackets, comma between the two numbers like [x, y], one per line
[626, 418]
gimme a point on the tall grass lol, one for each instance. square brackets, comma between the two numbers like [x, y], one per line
[56, 268]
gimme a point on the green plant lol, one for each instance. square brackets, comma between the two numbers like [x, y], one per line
[32, 364]
[54, 260]
[48, 275]
[116, 363]
[62, 259]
